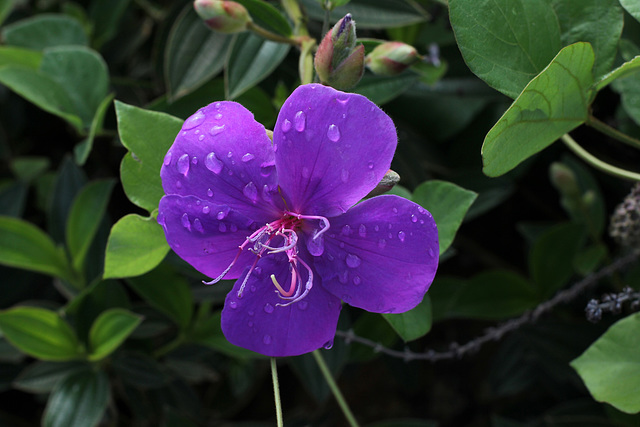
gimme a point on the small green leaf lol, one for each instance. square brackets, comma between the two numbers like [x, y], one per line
[207, 332]
[136, 245]
[45, 30]
[610, 368]
[448, 204]
[193, 55]
[505, 42]
[552, 104]
[42, 377]
[82, 150]
[23, 245]
[380, 89]
[29, 168]
[19, 56]
[371, 13]
[626, 69]
[148, 136]
[40, 333]
[78, 401]
[632, 7]
[414, 323]
[267, 16]
[5, 9]
[252, 58]
[167, 291]
[110, 330]
[84, 219]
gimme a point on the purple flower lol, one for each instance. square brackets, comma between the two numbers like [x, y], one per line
[282, 217]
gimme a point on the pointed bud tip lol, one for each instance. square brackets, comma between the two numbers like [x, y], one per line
[222, 15]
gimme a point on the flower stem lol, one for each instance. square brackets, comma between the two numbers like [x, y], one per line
[276, 392]
[597, 163]
[612, 132]
[334, 389]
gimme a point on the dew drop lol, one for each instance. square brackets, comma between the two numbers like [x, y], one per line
[183, 164]
[206, 209]
[250, 313]
[201, 138]
[353, 261]
[316, 246]
[395, 210]
[215, 130]
[233, 228]
[390, 236]
[217, 105]
[185, 221]
[401, 235]
[328, 345]
[230, 154]
[362, 230]
[266, 193]
[341, 245]
[193, 121]
[248, 157]
[302, 305]
[414, 218]
[210, 192]
[250, 191]
[286, 126]
[357, 280]
[300, 121]
[344, 175]
[233, 304]
[333, 133]
[178, 184]
[222, 227]
[421, 221]
[198, 225]
[343, 277]
[376, 228]
[258, 272]
[194, 160]
[213, 163]
[422, 210]
[431, 253]
[370, 165]
[343, 101]
[167, 159]
[266, 339]
[223, 213]
[268, 308]
[346, 230]
[382, 243]
[267, 168]
[306, 172]
[218, 116]
[253, 288]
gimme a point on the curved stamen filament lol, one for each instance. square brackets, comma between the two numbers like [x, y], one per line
[325, 222]
[297, 297]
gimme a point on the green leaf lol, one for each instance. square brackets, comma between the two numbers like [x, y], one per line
[19, 56]
[40, 333]
[84, 219]
[505, 42]
[371, 13]
[629, 90]
[252, 58]
[42, 377]
[136, 245]
[139, 370]
[267, 16]
[110, 330]
[380, 89]
[207, 332]
[448, 204]
[45, 30]
[610, 367]
[552, 104]
[598, 22]
[82, 150]
[193, 55]
[23, 245]
[29, 168]
[414, 323]
[167, 291]
[68, 182]
[148, 136]
[105, 16]
[78, 401]
[626, 69]
[632, 7]
[5, 9]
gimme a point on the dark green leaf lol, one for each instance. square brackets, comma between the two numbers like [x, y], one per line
[29, 168]
[371, 13]
[69, 181]
[626, 69]
[381, 90]
[45, 30]
[42, 377]
[109, 331]
[632, 7]
[5, 9]
[13, 196]
[554, 103]
[105, 16]
[82, 150]
[136, 245]
[207, 332]
[267, 16]
[505, 42]
[629, 90]
[40, 333]
[414, 323]
[139, 370]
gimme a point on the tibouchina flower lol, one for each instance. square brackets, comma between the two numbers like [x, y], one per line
[282, 217]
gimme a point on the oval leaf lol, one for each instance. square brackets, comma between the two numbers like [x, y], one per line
[267, 16]
[371, 13]
[110, 330]
[45, 30]
[414, 323]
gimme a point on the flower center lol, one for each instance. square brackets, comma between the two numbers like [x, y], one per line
[280, 236]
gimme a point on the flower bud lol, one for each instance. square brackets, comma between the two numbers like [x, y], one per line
[564, 180]
[222, 15]
[391, 58]
[338, 61]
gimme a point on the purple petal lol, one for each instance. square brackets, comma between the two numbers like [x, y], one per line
[381, 255]
[255, 321]
[332, 148]
[206, 235]
[224, 156]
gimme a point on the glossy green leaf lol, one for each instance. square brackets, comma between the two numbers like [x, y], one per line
[193, 55]
[167, 291]
[82, 150]
[10, 55]
[148, 136]
[414, 323]
[110, 330]
[42, 377]
[505, 42]
[381, 90]
[40, 333]
[207, 332]
[252, 59]
[626, 69]
[136, 245]
[448, 204]
[554, 103]
[84, 219]
[267, 16]
[610, 368]
[80, 400]
[23, 245]
[632, 7]
[598, 22]
[45, 30]
[629, 90]
[371, 13]
[552, 255]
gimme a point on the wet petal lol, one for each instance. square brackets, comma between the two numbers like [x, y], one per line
[381, 255]
[255, 321]
[332, 148]
[224, 156]
[206, 235]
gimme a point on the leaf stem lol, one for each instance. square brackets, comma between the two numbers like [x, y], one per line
[597, 163]
[276, 392]
[334, 389]
[264, 33]
[612, 132]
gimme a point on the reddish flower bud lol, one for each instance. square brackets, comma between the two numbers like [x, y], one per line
[391, 58]
[223, 16]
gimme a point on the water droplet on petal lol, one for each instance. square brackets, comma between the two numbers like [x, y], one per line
[250, 313]
[422, 210]
[233, 228]
[218, 116]
[206, 209]
[210, 192]
[167, 159]
[178, 184]
[268, 308]
[356, 280]
[194, 160]
[306, 172]
[185, 221]
[198, 225]
[267, 168]
[341, 245]
[230, 154]
[302, 305]
[201, 138]
[344, 176]
[213, 163]
[253, 288]
[328, 345]
[414, 218]
[250, 191]
[266, 193]
[193, 121]
[362, 230]
[316, 246]
[248, 157]
[343, 277]
[215, 130]
[382, 243]
[333, 133]
[431, 253]
[300, 121]
[370, 165]
[346, 230]
[233, 304]
[343, 101]
[222, 227]
[395, 210]
[223, 213]
[266, 339]
[353, 261]
[183, 164]
[286, 126]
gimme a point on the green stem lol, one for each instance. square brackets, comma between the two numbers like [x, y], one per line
[264, 33]
[295, 13]
[612, 132]
[334, 389]
[597, 163]
[305, 64]
[276, 392]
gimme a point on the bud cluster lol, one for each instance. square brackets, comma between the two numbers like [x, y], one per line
[612, 303]
[625, 221]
